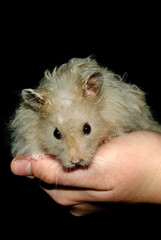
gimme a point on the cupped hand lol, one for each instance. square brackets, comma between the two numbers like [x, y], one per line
[127, 168]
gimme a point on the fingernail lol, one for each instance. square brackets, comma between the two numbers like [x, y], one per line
[21, 167]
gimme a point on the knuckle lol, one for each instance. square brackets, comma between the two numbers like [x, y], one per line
[64, 201]
[61, 197]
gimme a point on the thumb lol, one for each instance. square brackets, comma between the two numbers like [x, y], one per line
[21, 167]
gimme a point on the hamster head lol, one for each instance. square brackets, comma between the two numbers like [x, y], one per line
[72, 134]
[67, 107]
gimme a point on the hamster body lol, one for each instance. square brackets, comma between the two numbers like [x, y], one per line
[74, 109]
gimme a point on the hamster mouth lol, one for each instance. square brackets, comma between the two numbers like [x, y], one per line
[76, 165]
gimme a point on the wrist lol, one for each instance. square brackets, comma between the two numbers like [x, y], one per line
[153, 192]
[150, 190]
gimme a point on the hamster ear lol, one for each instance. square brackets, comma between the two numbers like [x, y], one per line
[34, 98]
[93, 86]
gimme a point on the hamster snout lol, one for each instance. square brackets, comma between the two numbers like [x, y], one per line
[75, 154]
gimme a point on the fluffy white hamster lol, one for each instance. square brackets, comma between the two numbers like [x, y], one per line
[74, 109]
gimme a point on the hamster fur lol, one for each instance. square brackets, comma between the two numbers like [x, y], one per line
[76, 107]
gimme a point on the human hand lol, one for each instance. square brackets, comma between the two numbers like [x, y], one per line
[127, 168]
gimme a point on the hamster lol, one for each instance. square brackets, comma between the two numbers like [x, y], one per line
[75, 108]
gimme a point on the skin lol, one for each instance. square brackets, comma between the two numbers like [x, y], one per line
[126, 169]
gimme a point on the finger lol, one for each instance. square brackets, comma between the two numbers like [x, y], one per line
[73, 197]
[83, 209]
[51, 171]
[21, 167]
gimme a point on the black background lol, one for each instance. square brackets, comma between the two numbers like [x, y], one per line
[38, 37]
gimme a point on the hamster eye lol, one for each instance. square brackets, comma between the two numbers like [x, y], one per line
[86, 129]
[57, 134]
